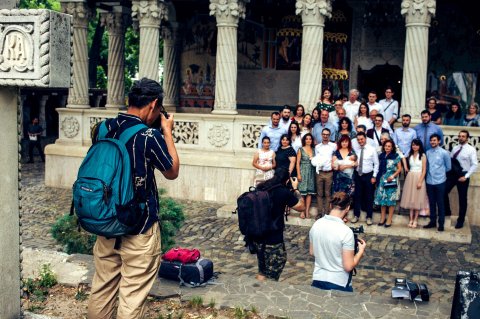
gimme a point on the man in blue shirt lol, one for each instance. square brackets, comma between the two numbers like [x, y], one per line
[404, 135]
[426, 129]
[320, 126]
[273, 131]
[439, 163]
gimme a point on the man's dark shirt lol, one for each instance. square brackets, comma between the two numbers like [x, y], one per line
[280, 197]
[147, 150]
[35, 129]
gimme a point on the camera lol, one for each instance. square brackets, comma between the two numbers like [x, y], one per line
[356, 231]
[406, 289]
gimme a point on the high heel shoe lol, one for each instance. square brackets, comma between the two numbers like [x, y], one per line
[388, 225]
[381, 223]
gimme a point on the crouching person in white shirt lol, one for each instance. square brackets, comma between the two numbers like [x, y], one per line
[333, 245]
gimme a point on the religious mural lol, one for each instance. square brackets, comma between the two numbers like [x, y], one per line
[198, 63]
[289, 43]
[250, 42]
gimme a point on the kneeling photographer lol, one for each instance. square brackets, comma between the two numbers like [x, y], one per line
[333, 245]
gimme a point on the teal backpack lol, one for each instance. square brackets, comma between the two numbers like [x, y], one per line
[103, 194]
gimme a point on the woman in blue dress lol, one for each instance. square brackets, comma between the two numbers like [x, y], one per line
[386, 195]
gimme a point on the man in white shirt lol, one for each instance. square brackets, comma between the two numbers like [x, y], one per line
[403, 136]
[389, 106]
[286, 119]
[324, 173]
[365, 177]
[352, 105]
[355, 145]
[467, 157]
[333, 117]
[372, 102]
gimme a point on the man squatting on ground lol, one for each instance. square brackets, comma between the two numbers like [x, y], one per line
[130, 270]
[270, 247]
[333, 245]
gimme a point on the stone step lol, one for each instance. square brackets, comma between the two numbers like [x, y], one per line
[398, 228]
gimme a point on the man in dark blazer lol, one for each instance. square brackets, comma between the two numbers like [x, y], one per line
[376, 132]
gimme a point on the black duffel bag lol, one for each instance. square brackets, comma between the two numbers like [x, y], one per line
[466, 298]
[190, 275]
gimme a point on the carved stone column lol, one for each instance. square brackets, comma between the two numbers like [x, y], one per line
[313, 14]
[227, 13]
[78, 93]
[41, 113]
[171, 76]
[114, 23]
[149, 15]
[418, 14]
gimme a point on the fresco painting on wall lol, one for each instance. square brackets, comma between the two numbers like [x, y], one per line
[250, 42]
[198, 68]
[289, 44]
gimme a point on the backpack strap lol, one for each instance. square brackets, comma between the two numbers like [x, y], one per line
[102, 130]
[126, 135]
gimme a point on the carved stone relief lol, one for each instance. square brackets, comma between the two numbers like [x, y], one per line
[218, 135]
[70, 126]
[185, 132]
[250, 135]
[95, 120]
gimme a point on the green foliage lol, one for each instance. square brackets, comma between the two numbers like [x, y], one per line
[40, 4]
[211, 304]
[36, 289]
[195, 302]
[65, 232]
[101, 78]
[47, 278]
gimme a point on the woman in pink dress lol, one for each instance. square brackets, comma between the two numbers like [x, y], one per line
[264, 162]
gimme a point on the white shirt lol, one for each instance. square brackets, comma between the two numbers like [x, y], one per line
[387, 111]
[375, 106]
[351, 109]
[323, 156]
[356, 146]
[385, 125]
[370, 160]
[333, 118]
[467, 158]
[297, 143]
[284, 124]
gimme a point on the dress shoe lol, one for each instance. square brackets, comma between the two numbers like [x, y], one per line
[381, 223]
[430, 225]
[459, 225]
[369, 221]
[354, 220]
[388, 225]
[440, 228]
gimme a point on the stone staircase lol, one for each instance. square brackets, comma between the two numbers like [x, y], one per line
[398, 228]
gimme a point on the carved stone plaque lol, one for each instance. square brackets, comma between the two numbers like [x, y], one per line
[35, 48]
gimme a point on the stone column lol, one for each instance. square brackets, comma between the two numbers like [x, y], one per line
[418, 14]
[78, 93]
[41, 113]
[171, 75]
[149, 15]
[227, 13]
[114, 23]
[9, 212]
[313, 14]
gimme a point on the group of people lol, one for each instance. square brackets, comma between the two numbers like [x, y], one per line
[351, 147]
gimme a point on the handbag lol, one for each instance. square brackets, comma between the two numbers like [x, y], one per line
[391, 184]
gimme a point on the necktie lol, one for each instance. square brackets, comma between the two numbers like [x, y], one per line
[457, 152]
[360, 162]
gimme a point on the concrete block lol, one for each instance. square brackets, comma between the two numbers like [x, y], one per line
[35, 48]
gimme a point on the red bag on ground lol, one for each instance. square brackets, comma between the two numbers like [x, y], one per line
[183, 255]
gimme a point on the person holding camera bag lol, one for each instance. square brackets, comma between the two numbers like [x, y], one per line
[332, 243]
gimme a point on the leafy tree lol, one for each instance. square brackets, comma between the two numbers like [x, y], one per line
[40, 4]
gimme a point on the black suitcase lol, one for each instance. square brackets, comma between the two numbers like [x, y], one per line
[191, 275]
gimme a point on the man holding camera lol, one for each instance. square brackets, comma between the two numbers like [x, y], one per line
[333, 245]
[128, 270]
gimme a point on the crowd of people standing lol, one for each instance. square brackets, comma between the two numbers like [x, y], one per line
[351, 146]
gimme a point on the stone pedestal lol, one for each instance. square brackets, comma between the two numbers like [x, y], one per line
[418, 14]
[227, 13]
[149, 15]
[171, 75]
[78, 93]
[313, 21]
[114, 22]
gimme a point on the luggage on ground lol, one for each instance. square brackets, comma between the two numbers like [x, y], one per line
[190, 275]
[183, 255]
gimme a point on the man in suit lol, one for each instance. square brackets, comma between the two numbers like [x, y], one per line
[376, 132]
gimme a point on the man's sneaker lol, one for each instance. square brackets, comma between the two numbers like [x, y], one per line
[369, 221]
[430, 225]
[354, 220]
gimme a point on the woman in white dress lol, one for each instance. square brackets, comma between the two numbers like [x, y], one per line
[414, 196]
[363, 117]
[295, 137]
[264, 162]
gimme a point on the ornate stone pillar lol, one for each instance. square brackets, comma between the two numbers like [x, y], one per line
[227, 13]
[418, 14]
[41, 113]
[78, 93]
[313, 14]
[171, 76]
[114, 23]
[149, 14]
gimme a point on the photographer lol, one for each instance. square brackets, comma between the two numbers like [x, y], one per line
[270, 247]
[333, 245]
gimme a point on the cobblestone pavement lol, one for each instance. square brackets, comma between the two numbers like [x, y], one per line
[387, 257]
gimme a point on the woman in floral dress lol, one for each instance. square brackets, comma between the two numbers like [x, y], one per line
[306, 172]
[264, 162]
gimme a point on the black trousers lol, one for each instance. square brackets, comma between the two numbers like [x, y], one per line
[31, 146]
[363, 195]
[462, 188]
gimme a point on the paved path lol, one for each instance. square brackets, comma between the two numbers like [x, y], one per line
[387, 257]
